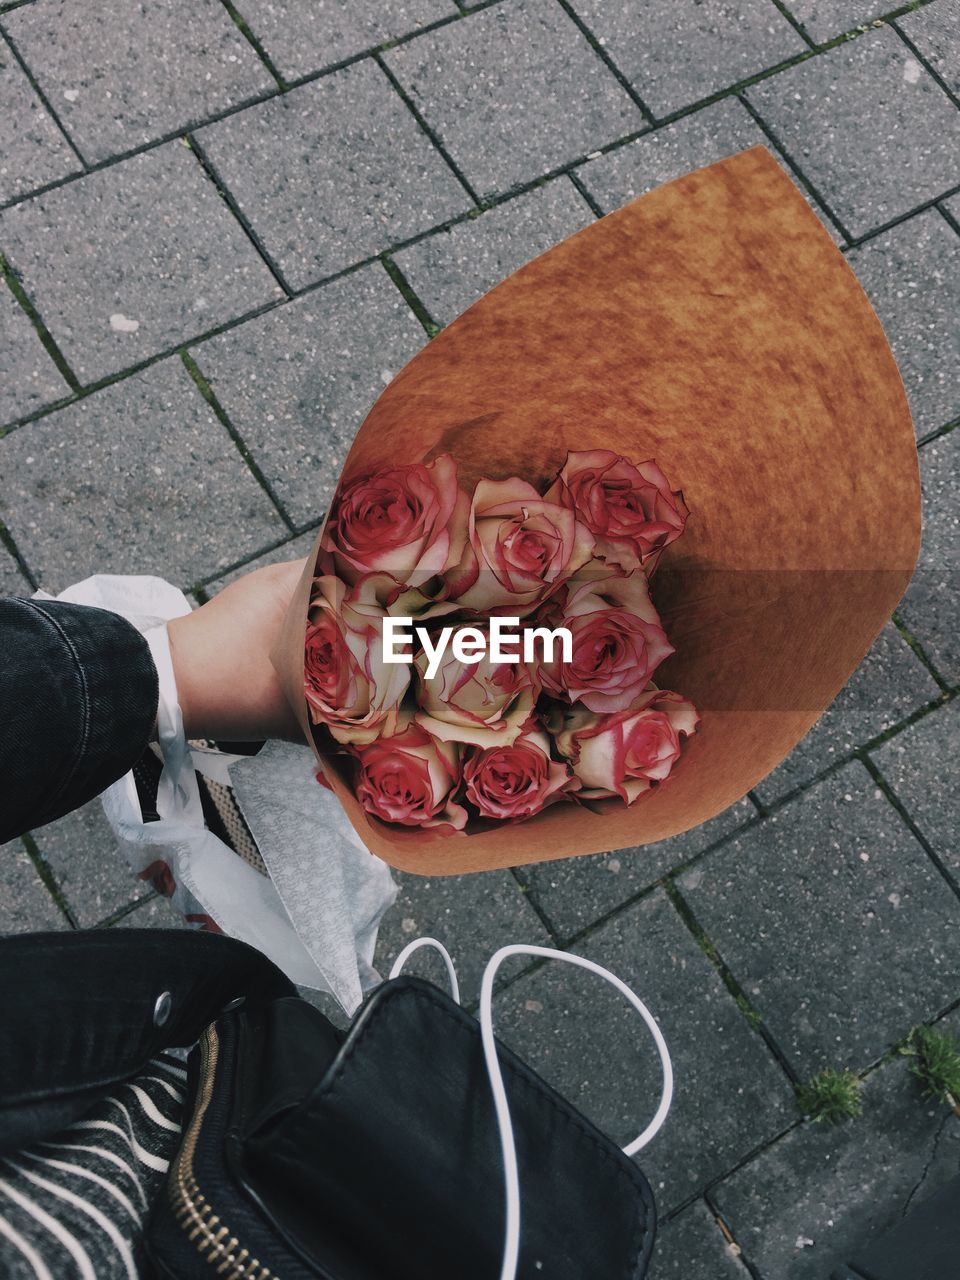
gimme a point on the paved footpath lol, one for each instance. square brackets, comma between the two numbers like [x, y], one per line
[225, 225]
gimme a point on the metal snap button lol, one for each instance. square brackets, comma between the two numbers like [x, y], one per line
[161, 1010]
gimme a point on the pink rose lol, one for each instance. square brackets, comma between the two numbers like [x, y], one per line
[347, 685]
[485, 703]
[630, 509]
[410, 522]
[519, 548]
[516, 781]
[411, 779]
[626, 754]
[617, 640]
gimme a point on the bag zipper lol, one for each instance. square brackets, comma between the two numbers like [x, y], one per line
[213, 1239]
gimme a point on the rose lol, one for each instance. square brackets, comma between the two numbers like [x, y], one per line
[485, 703]
[518, 780]
[628, 753]
[347, 685]
[629, 508]
[617, 641]
[410, 779]
[410, 522]
[519, 548]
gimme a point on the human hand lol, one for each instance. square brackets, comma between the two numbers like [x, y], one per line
[227, 686]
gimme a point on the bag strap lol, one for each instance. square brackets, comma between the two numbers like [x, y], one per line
[511, 1250]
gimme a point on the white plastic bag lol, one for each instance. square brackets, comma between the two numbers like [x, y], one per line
[317, 914]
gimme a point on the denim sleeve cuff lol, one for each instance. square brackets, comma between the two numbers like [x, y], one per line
[78, 699]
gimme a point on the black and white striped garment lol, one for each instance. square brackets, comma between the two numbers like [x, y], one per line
[74, 1207]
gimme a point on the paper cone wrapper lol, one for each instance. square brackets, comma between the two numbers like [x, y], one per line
[714, 326]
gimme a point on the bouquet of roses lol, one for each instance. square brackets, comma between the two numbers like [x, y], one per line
[473, 658]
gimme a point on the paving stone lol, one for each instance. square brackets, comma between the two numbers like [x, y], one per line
[154, 913]
[692, 1247]
[334, 172]
[929, 607]
[919, 764]
[870, 128]
[28, 377]
[573, 892]
[453, 268]
[804, 1205]
[581, 1035]
[139, 478]
[133, 259]
[297, 382]
[912, 277]
[824, 19]
[12, 581]
[164, 67]
[889, 684]
[33, 151]
[299, 39]
[295, 549]
[935, 30]
[690, 143]
[514, 91]
[25, 904]
[87, 864]
[835, 922]
[471, 915]
[679, 51]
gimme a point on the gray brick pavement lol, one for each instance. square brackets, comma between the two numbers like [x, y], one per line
[800, 1208]
[334, 172]
[451, 270]
[514, 91]
[935, 33]
[574, 892]
[33, 151]
[300, 39]
[912, 276]
[888, 686]
[675, 52]
[691, 142]
[832, 884]
[28, 377]
[141, 478]
[893, 133]
[128, 262]
[341, 170]
[920, 765]
[929, 608]
[297, 382]
[162, 68]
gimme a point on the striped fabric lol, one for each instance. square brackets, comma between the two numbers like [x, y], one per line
[74, 1207]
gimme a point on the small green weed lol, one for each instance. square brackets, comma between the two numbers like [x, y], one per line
[937, 1064]
[831, 1096]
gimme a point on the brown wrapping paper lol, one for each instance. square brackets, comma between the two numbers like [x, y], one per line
[713, 325]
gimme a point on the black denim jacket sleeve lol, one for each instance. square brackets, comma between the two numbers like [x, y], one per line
[78, 699]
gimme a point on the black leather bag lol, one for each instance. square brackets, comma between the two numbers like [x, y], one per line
[375, 1156]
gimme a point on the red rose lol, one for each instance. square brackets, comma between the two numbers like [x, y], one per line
[516, 781]
[485, 703]
[410, 779]
[630, 509]
[519, 548]
[626, 754]
[617, 640]
[347, 685]
[410, 522]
